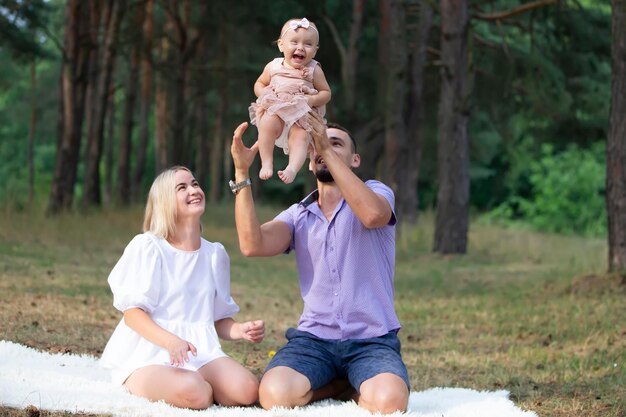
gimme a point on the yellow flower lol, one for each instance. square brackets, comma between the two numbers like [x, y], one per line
[271, 354]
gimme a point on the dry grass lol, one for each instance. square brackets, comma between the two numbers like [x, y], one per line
[526, 312]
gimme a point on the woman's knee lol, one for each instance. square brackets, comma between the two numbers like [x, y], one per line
[194, 392]
[249, 390]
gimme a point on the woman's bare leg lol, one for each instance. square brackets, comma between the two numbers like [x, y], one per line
[270, 127]
[298, 151]
[178, 387]
[233, 385]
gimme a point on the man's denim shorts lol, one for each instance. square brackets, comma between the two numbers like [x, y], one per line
[323, 360]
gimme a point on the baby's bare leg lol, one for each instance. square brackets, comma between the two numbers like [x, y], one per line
[270, 127]
[298, 149]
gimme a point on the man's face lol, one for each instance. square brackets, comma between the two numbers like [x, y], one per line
[342, 145]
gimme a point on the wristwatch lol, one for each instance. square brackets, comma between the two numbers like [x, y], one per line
[236, 186]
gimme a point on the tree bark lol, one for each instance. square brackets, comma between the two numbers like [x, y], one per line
[349, 56]
[395, 93]
[616, 146]
[201, 116]
[110, 145]
[125, 145]
[217, 145]
[187, 38]
[31, 132]
[146, 92]
[92, 193]
[408, 196]
[73, 68]
[452, 218]
[162, 120]
[518, 10]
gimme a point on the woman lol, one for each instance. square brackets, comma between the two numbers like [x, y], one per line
[173, 287]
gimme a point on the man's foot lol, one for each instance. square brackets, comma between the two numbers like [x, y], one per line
[266, 172]
[287, 175]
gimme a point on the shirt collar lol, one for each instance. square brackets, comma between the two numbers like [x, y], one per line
[311, 198]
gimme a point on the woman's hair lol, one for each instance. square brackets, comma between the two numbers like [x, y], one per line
[160, 216]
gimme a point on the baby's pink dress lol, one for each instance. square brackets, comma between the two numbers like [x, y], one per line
[286, 96]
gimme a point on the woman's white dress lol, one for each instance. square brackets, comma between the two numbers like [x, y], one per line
[184, 292]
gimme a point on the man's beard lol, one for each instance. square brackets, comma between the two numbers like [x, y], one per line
[324, 175]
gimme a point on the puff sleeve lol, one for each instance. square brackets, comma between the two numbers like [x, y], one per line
[224, 305]
[136, 278]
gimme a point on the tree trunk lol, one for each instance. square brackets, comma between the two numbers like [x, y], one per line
[31, 132]
[92, 194]
[349, 56]
[110, 146]
[616, 146]
[371, 145]
[452, 219]
[217, 145]
[202, 141]
[201, 122]
[73, 69]
[146, 90]
[216, 171]
[125, 146]
[395, 134]
[162, 110]
[408, 196]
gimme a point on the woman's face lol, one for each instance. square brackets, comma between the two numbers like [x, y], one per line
[189, 195]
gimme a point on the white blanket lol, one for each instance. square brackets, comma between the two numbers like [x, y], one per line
[79, 384]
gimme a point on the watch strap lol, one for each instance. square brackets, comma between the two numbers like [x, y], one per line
[236, 186]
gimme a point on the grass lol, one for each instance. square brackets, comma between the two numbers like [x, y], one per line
[523, 311]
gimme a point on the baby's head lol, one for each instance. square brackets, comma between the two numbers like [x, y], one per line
[299, 41]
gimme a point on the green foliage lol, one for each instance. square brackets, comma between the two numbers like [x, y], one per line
[539, 77]
[566, 192]
[19, 23]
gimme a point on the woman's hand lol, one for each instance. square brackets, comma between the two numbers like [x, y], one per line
[252, 331]
[178, 349]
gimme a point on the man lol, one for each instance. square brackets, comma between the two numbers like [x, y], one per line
[344, 238]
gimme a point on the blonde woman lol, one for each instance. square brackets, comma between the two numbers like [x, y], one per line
[173, 288]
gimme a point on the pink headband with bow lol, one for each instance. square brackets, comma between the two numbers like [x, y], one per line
[297, 24]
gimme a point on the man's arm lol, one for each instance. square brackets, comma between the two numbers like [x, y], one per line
[372, 209]
[269, 239]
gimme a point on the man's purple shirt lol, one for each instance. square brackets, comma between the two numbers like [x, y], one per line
[346, 270]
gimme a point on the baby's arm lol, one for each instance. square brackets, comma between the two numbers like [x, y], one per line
[321, 85]
[263, 81]
[142, 323]
[229, 329]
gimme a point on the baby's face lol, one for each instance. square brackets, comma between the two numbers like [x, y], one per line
[298, 46]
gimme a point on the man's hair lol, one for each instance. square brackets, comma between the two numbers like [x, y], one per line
[331, 125]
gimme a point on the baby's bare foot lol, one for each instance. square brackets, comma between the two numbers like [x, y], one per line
[287, 175]
[266, 172]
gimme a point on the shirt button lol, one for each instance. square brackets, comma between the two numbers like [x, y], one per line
[336, 293]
